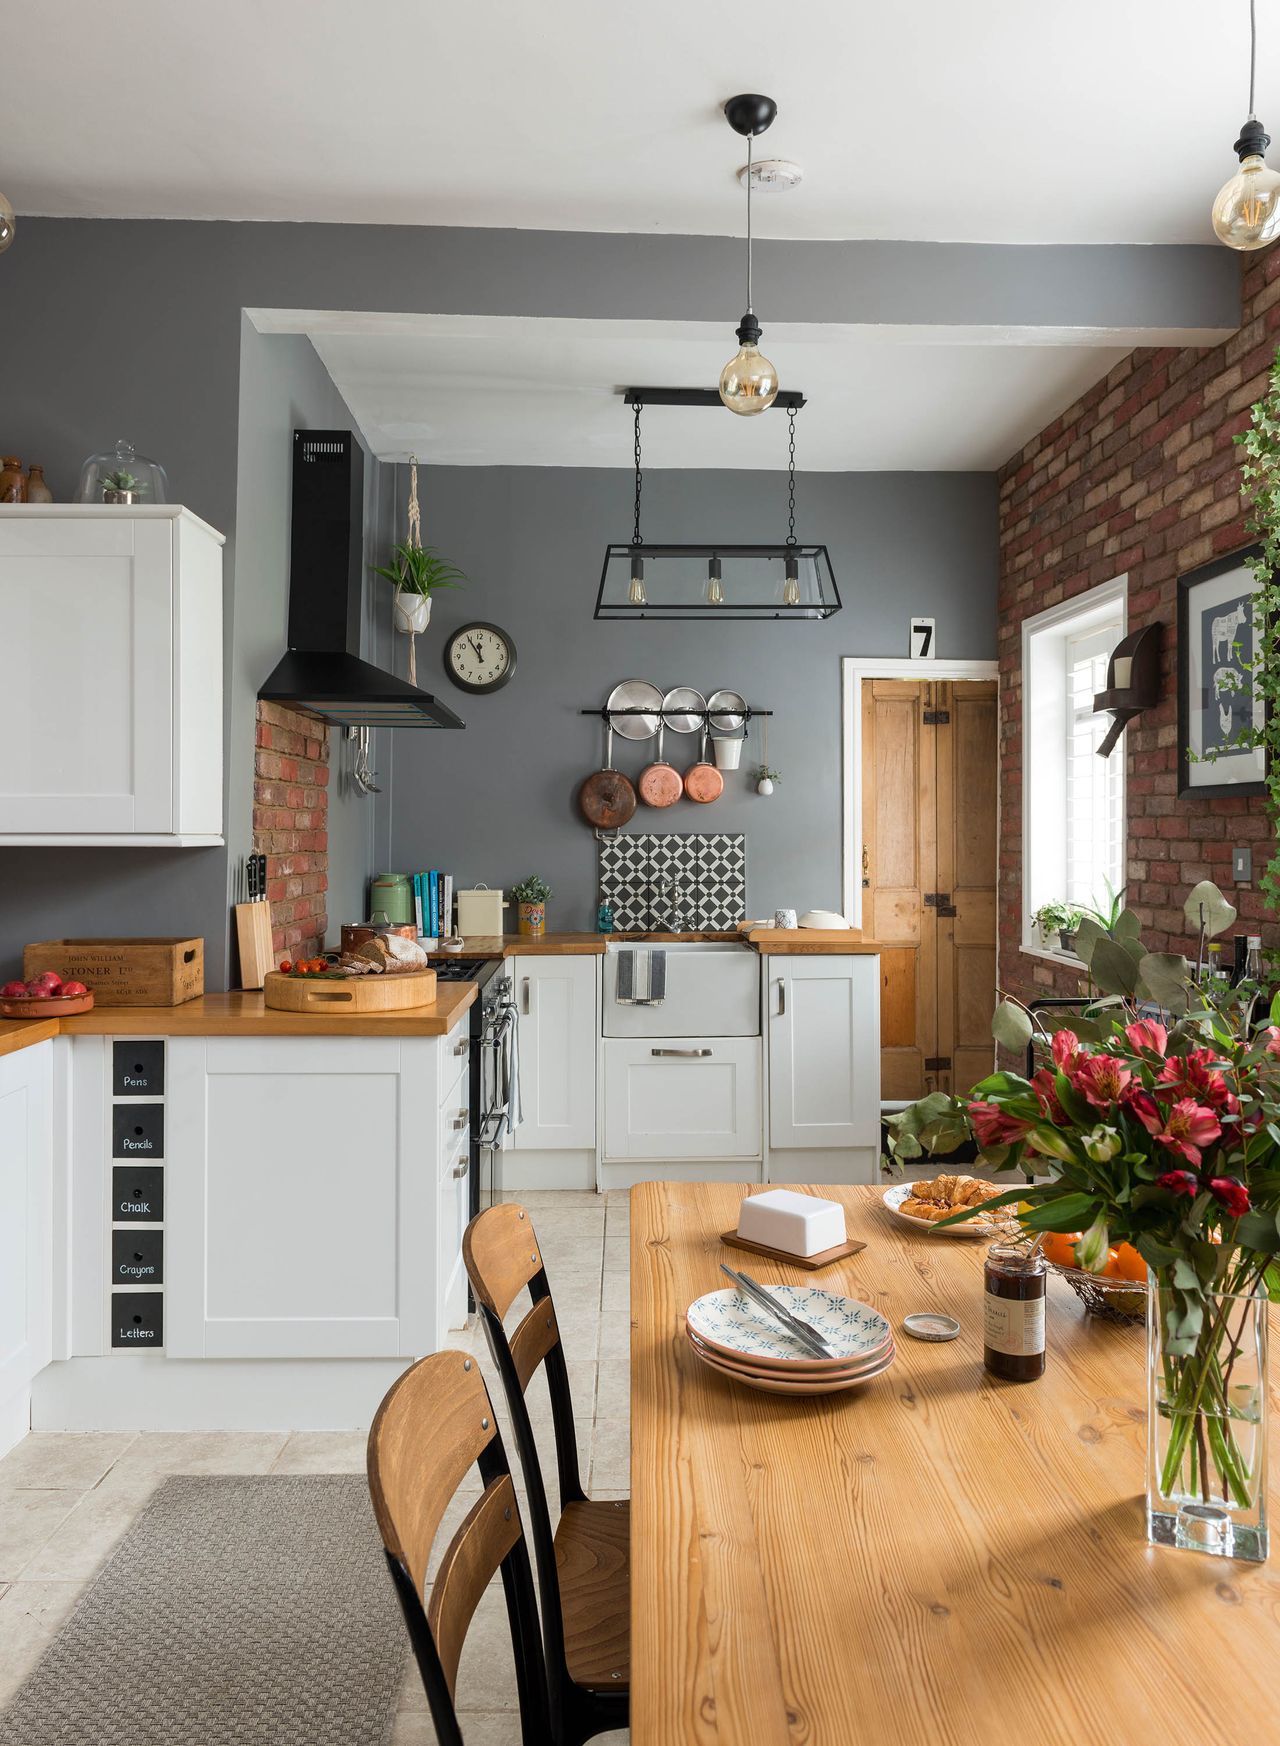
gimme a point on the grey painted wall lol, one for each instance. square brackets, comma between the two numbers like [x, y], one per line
[497, 802]
[134, 328]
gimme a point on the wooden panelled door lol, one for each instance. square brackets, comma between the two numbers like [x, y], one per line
[929, 768]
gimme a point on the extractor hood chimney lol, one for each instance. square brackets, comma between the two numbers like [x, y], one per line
[322, 673]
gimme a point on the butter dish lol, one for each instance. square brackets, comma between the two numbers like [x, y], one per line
[798, 1224]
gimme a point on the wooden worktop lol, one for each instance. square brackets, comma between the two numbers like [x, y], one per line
[244, 1014]
[938, 1556]
[769, 942]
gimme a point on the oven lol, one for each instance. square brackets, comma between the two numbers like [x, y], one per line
[493, 1071]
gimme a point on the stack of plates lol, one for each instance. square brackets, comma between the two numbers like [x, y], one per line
[732, 1336]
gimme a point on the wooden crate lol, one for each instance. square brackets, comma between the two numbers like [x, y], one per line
[146, 972]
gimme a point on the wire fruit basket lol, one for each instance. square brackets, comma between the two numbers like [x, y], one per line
[1112, 1300]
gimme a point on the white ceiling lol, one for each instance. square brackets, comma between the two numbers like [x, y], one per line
[991, 120]
[515, 391]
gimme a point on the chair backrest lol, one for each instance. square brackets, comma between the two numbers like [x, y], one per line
[502, 1255]
[436, 1422]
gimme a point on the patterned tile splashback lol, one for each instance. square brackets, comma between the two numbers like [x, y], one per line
[703, 878]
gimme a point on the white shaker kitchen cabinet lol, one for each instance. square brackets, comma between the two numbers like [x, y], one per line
[556, 998]
[301, 1197]
[26, 1231]
[682, 1098]
[111, 711]
[823, 1028]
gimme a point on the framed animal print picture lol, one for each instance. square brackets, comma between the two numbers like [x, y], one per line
[1217, 700]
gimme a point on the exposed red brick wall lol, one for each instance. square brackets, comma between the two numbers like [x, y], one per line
[290, 825]
[1140, 475]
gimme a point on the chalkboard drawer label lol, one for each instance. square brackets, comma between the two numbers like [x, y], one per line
[137, 1069]
[137, 1319]
[137, 1257]
[137, 1130]
[137, 1193]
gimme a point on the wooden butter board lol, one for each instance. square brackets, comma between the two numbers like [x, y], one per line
[388, 992]
[810, 1263]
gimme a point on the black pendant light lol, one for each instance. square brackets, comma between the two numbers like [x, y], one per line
[749, 382]
[788, 580]
[1246, 212]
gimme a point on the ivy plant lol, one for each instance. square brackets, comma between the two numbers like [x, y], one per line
[1260, 473]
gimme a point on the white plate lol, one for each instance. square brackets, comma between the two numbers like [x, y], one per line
[794, 1370]
[728, 1321]
[894, 1197]
[794, 1385]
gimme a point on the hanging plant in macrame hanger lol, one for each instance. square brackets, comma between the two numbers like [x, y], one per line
[416, 572]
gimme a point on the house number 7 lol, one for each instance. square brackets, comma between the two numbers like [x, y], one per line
[921, 639]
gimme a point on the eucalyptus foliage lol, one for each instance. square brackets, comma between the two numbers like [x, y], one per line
[1260, 473]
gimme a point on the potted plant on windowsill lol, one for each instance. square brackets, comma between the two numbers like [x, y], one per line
[531, 897]
[1058, 918]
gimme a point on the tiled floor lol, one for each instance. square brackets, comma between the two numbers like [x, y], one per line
[66, 1500]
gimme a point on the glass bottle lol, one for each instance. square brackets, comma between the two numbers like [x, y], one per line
[1014, 1283]
[13, 487]
[604, 918]
[37, 490]
[1253, 967]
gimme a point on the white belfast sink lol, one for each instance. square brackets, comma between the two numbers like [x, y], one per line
[713, 990]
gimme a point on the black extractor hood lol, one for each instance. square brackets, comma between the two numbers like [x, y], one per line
[322, 673]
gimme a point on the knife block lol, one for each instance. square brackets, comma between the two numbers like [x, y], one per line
[253, 935]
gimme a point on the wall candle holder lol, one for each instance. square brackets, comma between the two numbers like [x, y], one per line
[1133, 682]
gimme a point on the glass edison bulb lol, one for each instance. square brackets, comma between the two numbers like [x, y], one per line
[791, 583]
[1246, 213]
[748, 382]
[8, 224]
[715, 587]
[636, 595]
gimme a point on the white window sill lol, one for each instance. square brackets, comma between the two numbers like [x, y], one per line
[1064, 960]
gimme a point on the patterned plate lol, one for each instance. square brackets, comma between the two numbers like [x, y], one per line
[781, 1384]
[730, 1323]
[894, 1197]
[818, 1369]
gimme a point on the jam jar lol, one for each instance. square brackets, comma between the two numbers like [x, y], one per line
[1014, 1284]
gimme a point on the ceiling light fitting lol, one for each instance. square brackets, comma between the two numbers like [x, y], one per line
[749, 382]
[720, 581]
[1246, 212]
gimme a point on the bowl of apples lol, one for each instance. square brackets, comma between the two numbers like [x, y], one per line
[44, 996]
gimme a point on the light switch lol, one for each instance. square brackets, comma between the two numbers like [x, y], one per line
[1242, 865]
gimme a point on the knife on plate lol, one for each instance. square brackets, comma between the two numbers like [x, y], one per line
[796, 1326]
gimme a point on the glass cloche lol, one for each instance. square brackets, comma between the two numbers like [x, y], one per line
[122, 476]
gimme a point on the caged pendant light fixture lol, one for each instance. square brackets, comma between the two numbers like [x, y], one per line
[749, 382]
[792, 579]
[1246, 212]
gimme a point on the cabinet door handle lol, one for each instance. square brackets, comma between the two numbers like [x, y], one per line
[683, 1054]
[462, 1046]
[782, 997]
[460, 1120]
[462, 1168]
[525, 997]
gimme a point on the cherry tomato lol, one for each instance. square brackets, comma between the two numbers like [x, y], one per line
[285, 966]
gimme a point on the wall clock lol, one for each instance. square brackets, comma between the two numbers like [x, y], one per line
[479, 658]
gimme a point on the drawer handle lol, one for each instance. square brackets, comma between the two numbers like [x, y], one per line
[461, 1169]
[781, 986]
[460, 1120]
[461, 1047]
[683, 1054]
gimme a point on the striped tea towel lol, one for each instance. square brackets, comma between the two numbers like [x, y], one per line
[642, 976]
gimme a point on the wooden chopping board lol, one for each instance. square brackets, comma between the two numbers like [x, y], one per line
[378, 993]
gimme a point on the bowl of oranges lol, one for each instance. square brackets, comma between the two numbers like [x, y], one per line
[1118, 1293]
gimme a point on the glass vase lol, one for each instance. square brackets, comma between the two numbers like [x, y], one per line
[1207, 1429]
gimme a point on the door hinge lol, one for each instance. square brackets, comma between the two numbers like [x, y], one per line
[937, 1063]
[937, 717]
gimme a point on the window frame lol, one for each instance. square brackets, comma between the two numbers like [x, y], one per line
[1044, 636]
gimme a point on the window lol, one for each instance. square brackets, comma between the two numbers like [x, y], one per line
[1073, 848]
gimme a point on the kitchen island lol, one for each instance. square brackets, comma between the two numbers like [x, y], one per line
[219, 1215]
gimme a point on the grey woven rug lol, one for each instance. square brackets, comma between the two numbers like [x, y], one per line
[237, 1611]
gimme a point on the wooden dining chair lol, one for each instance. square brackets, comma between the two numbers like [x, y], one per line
[434, 1423]
[584, 1568]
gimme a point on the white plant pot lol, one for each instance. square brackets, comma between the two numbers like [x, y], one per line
[728, 753]
[764, 786]
[412, 612]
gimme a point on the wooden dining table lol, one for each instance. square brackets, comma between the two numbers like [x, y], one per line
[937, 1556]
